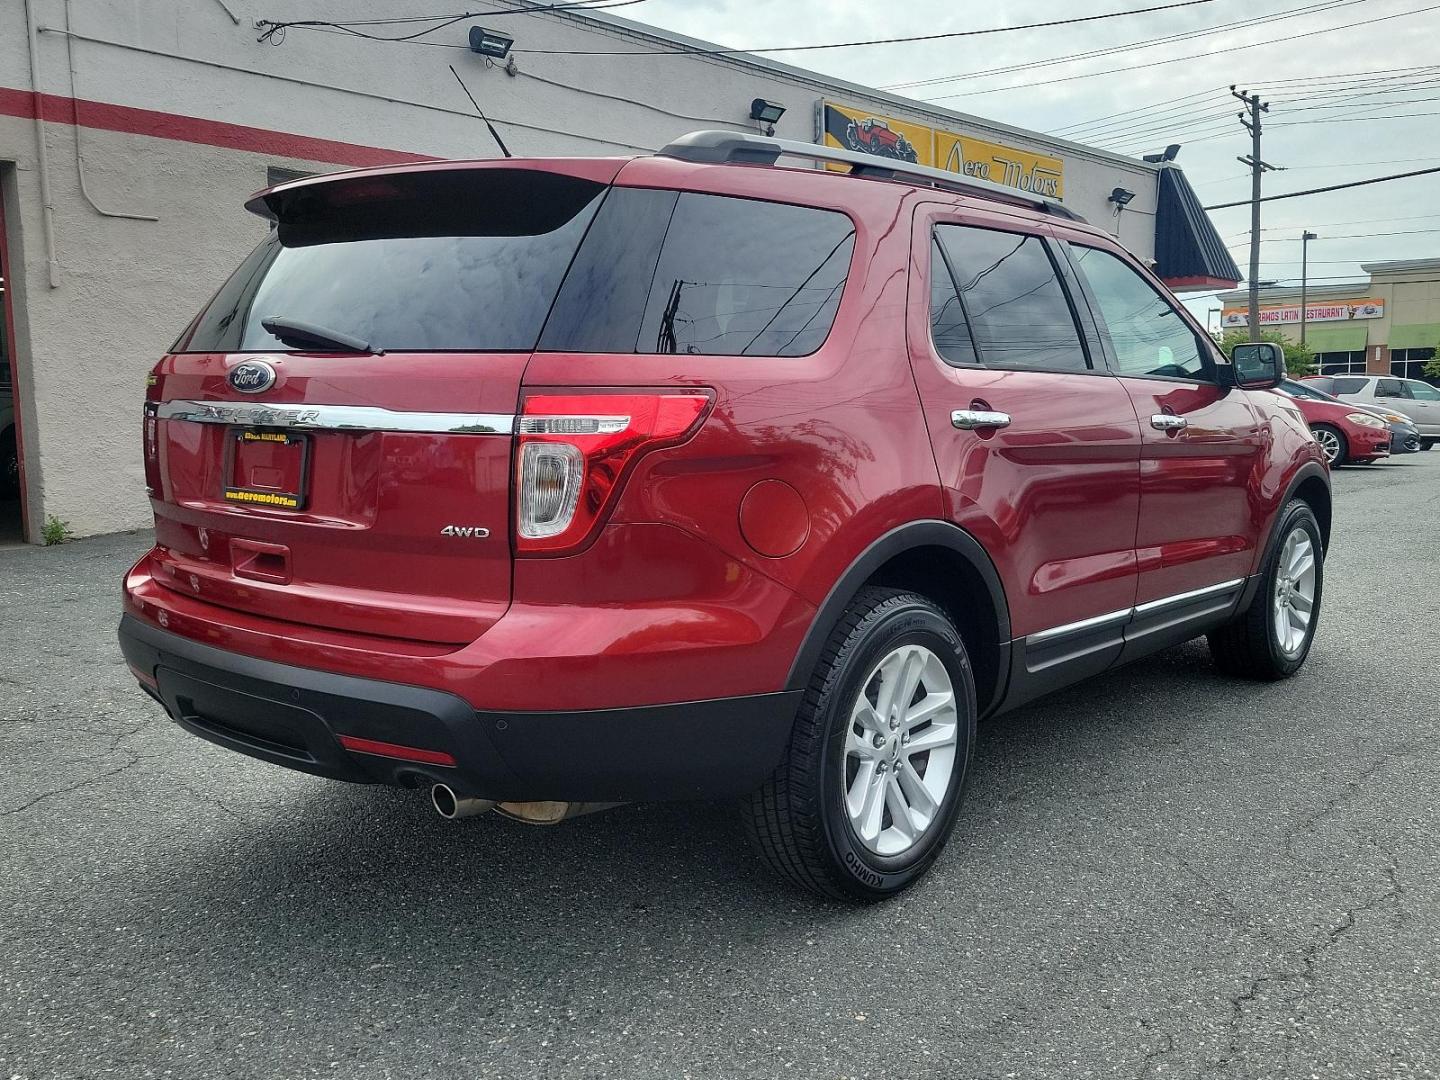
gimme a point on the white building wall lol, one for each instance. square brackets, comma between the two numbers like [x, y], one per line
[124, 288]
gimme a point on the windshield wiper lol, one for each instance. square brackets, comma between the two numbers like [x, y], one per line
[309, 335]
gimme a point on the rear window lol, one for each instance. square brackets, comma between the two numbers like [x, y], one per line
[429, 261]
[667, 272]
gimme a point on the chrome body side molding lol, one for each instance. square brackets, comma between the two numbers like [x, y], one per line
[334, 418]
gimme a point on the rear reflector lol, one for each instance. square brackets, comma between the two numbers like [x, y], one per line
[394, 750]
[144, 677]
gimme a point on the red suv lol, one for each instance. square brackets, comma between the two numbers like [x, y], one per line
[438, 503]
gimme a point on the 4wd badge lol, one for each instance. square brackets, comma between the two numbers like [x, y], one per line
[475, 532]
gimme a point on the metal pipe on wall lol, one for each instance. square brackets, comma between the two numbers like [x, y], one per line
[47, 217]
[79, 127]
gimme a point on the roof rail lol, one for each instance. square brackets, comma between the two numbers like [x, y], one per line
[731, 147]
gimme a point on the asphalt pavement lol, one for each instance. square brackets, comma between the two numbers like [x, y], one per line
[1161, 873]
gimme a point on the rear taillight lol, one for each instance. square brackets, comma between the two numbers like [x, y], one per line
[574, 451]
[152, 448]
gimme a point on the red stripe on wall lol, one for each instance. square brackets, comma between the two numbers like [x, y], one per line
[164, 125]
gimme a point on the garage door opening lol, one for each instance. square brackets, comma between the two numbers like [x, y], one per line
[12, 483]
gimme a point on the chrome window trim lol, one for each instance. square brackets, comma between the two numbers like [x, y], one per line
[335, 418]
[1065, 630]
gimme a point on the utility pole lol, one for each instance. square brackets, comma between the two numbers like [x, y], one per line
[1305, 239]
[1251, 119]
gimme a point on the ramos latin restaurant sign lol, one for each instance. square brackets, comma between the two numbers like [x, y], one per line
[1330, 311]
[865, 132]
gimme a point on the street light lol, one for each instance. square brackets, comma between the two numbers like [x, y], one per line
[1305, 239]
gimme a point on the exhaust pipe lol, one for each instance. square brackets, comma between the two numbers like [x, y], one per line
[451, 805]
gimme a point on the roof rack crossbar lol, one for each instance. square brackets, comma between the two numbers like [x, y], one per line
[731, 147]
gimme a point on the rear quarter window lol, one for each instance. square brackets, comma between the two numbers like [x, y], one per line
[1349, 386]
[667, 272]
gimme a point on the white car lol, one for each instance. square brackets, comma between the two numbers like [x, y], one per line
[1418, 400]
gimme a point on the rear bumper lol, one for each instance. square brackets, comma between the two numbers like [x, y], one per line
[296, 717]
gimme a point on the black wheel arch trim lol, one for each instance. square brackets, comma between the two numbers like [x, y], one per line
[903, 538]
[1310, 470]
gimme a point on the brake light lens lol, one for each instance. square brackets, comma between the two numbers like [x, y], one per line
[152, 448]
[575, 451]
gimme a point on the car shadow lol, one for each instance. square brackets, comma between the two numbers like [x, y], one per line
[370, 860]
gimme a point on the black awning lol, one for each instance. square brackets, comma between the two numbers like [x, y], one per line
[1189, 253]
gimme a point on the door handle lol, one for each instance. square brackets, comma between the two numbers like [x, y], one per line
[1167, 422]
[970, 419]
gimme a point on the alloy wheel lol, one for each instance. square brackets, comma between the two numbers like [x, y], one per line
[1329, 444]
[1293, 603]
[900, 748]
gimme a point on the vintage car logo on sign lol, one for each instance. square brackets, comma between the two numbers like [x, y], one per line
[252, 377]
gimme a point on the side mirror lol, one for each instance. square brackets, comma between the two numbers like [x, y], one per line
[1258, 365]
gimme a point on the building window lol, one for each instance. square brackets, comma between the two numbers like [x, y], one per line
[1341, 363]
[1410, 363]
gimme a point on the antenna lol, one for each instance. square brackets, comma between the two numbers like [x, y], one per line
[493, 133]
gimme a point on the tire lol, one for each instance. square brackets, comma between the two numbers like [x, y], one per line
[9, 465]
[800, 821]
[1251, 647]
[1426, 444]
[1333, 443]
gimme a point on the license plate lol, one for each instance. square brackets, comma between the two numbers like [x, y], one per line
[267, 468]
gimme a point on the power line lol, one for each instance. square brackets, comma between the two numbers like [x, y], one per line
[1204, 137]
[1111, 50]
[1316, 262]
[1342, 165]
[1372, 81]
[1349, 236]
[1361, 221]
[1188, 124]
[1187, 59]
[685, 50]
[274, 32]
[1203, 123]
[1332, 187]
[1353, 119]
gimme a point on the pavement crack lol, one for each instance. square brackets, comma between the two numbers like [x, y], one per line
[1167, 1046]
[1300, 983]
[115, 748]
[1353, 787]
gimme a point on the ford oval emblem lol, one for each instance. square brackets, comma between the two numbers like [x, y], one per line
[252, 377]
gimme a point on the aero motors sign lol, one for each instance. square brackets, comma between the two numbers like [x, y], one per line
[1333, 311]
[851, 128]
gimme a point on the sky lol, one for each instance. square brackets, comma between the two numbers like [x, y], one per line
[1323, 128]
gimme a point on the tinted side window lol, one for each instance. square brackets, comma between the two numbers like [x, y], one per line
[743, 278]
[1349, 386]
[703, 274]
[1146, 331]
[1389, 388]
[1019, 315]
[948, 328]
[603, 299]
